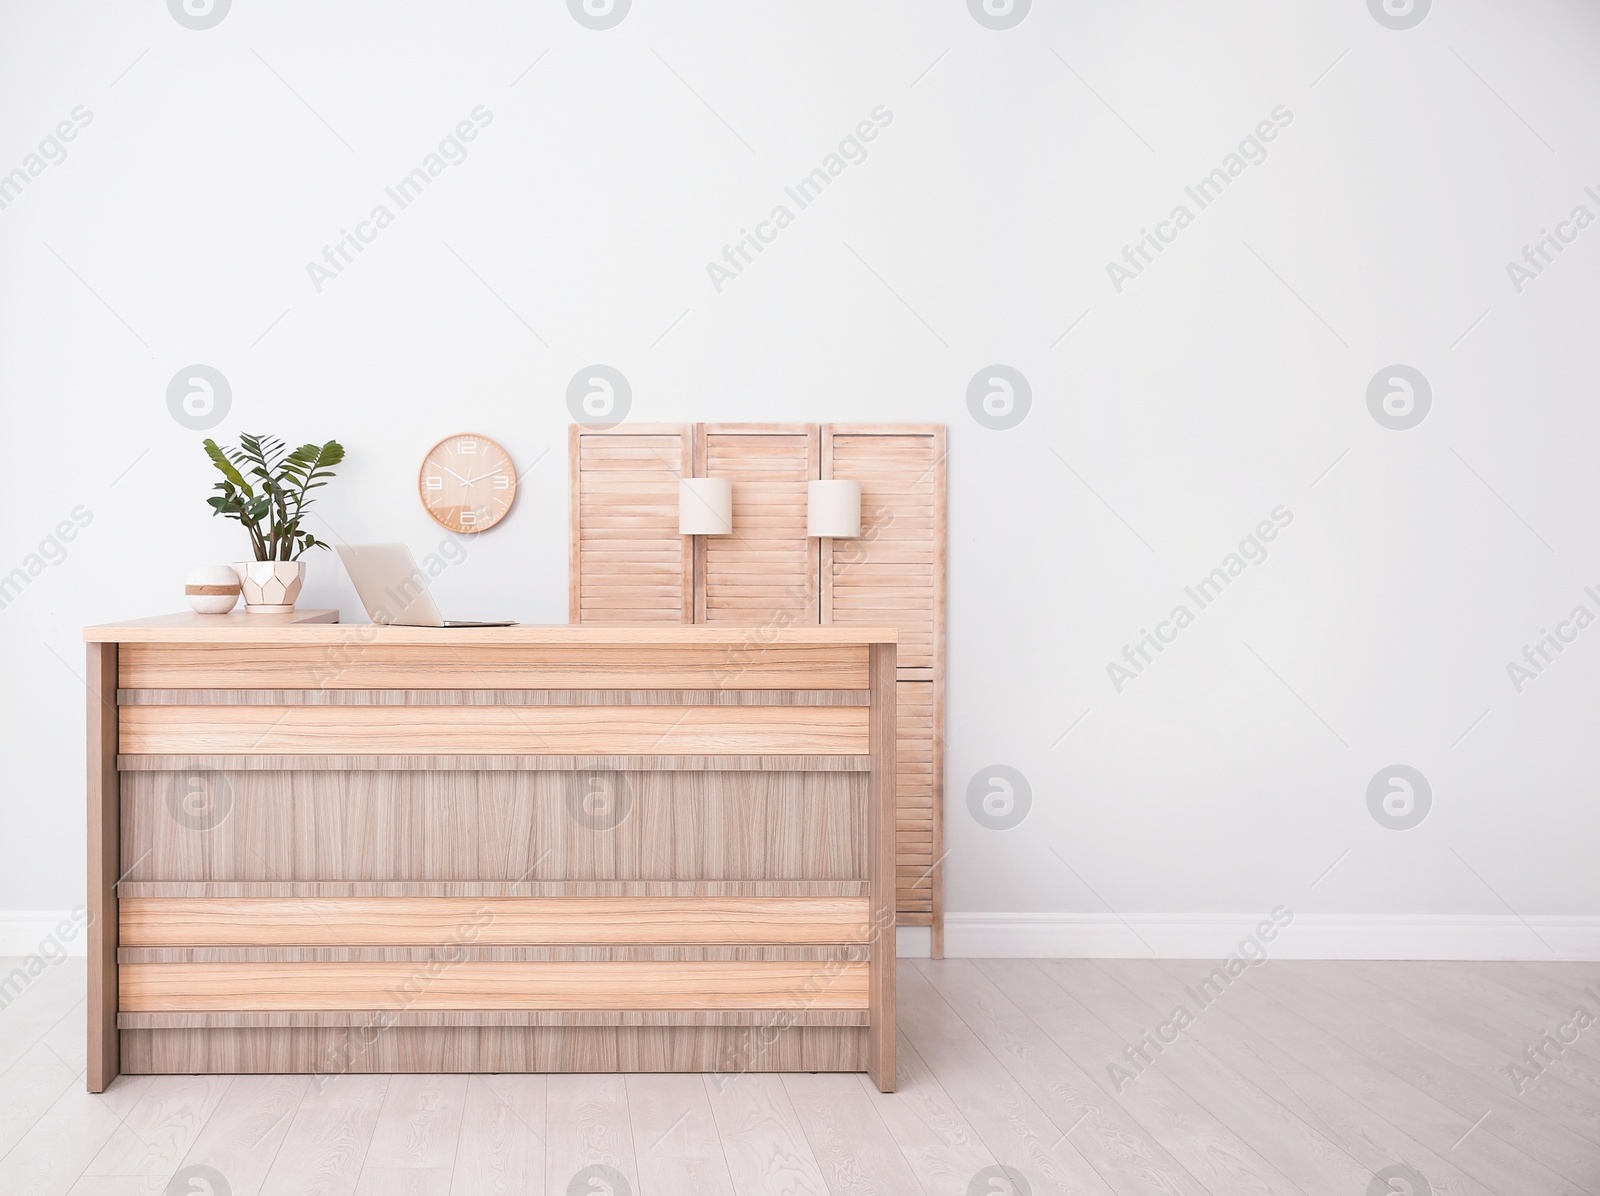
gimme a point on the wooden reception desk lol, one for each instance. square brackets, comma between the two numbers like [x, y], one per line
[320, 847]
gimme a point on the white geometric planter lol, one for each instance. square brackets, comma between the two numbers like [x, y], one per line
[270, 587]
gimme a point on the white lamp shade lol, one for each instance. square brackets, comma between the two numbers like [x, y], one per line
[705, 507]
[833, 508]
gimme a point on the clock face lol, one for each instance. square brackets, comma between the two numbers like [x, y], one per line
[467, 483]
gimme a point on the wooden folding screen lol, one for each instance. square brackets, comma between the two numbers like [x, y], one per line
[629, 565]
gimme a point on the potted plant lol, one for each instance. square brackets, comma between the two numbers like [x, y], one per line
[268, 489]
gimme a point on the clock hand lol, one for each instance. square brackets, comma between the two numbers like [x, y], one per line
[453, 473]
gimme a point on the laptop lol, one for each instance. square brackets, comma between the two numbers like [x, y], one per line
[394, 590]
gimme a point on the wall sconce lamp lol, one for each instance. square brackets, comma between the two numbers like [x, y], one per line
[833, 508]
[705, 507]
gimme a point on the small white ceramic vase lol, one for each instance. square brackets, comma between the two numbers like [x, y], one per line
[212, 589]
[270, 587]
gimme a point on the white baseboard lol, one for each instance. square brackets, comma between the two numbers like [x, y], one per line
[39, 932]
[1309, 936]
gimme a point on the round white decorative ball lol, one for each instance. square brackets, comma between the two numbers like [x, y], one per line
[212, 589]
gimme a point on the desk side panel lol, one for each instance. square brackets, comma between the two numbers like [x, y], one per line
[104, 837]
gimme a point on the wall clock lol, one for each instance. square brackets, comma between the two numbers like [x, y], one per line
[467, 483]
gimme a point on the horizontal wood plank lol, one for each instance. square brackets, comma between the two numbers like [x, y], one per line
[491, 921]
[534, 730]
[769, 1046]
[731, 663]
[170, 988]
[259, 1019]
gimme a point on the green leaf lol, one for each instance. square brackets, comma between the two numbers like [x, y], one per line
[220, 460]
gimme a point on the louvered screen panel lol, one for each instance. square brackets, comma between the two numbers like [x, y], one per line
[895, 573]
[917, 753]
[766, 573]
[628, 563]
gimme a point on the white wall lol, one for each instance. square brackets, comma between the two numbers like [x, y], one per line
[1227, 380]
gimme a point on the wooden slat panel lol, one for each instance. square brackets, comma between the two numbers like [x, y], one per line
[628, 563]
[766, 572]
[531, 730]
[341, 1049]
[896, 573]
[916, 744]
[160, 988]
[498, 921]
[751, 665]
[497, 827]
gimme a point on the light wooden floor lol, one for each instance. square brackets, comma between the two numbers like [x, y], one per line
[1297, 1077]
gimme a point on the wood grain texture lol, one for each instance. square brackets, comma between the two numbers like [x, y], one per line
[766, 573]
[160, 1127]
[502, 1148]
[533, 730]
[457, 953]
[419, 1123]
[896, 572]
[918, 796]
[493, 888]
[1093, 1017]
[763, 1141]
[273, 762]
[503, 903]
[1256, 1074]
[729, 662]
[943, 1149]
[1274, 1030]
[495, 697]
[227, 629]
[262, 1019]
[472, 984]
[853, 1148]
[499, 827]
[770, 573]
[881, 851]
[1011, 1124]
[104, 863]
[1117, 1145]
[496, 921]
[627, 562]
[588, 1124]
[326, 1146]
[242, 1138]
[341, 1051]
[238, 625]
[675, 1137]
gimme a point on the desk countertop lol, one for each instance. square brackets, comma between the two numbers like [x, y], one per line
[323, 627]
